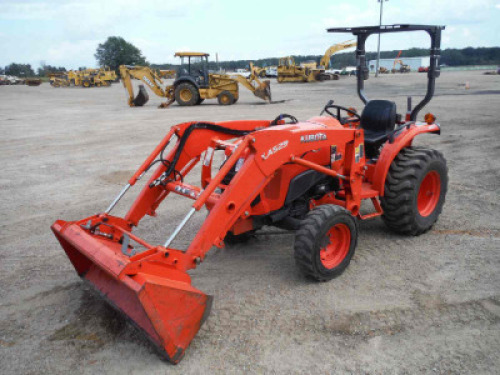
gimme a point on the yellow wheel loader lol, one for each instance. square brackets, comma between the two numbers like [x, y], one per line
[192, 85]
[288, 71]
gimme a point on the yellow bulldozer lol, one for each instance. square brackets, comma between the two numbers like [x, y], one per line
[288, 71]
[193, 83]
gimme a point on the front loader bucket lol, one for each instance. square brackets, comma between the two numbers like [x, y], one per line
[141, 98]
[160, 301]
[264, 91]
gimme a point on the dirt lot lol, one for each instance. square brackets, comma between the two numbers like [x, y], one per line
[428, 304]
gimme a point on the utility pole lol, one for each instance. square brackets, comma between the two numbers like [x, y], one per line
[378, 47]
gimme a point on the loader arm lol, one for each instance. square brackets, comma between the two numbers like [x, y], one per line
[151, 78]
[261, 89]
[325, 60]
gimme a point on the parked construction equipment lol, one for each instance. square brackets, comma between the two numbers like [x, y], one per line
[260, 72]
[56, 81]
[403, 68]
[167, 74]
[193, 83]
[309, 176]
[85, 78]
[288, 71]
[33, 81]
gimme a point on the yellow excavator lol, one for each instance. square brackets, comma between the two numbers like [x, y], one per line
[193, 83]
[403, 68]
[288, 71]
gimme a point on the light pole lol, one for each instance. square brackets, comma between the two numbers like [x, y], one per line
[378, 47]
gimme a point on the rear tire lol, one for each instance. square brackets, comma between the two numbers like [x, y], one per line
[415, 190]
[325, 242]
[186, 94]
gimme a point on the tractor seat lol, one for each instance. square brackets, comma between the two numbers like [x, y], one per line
[378, 120]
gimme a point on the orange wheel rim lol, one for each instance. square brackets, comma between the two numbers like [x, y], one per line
[337, 247]
[428, 194]
[186, 95]
[224, 99]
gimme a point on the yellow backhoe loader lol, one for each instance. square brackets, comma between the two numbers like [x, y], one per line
[85, 78]
[193, 83]
[288, 71]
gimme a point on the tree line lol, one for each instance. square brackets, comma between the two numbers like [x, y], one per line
[116, 51]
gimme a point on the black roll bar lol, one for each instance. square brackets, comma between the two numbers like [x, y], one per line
[364, 32]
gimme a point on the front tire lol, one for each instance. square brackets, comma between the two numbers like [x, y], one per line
[415, 190]
[225, 98]
[325, 242]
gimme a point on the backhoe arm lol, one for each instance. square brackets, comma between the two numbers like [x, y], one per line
[151, 78]
[124, 72]
[325, 60]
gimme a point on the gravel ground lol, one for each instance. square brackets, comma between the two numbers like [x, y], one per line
[406, 305]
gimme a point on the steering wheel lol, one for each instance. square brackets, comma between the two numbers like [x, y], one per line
[282, 116]
[339, 108]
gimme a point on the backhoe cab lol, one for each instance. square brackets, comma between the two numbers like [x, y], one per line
[194, 66]
[193, 83]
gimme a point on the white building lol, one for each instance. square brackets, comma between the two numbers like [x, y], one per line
[413, 62]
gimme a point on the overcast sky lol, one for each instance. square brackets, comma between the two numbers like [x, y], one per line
[66, 33]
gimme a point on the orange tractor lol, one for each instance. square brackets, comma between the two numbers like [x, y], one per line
[307, 176]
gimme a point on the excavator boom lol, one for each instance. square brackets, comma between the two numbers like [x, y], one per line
[325, 60]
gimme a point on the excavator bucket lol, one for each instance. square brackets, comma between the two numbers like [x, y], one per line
[159, 300]
[264, 91]
[141, 98]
